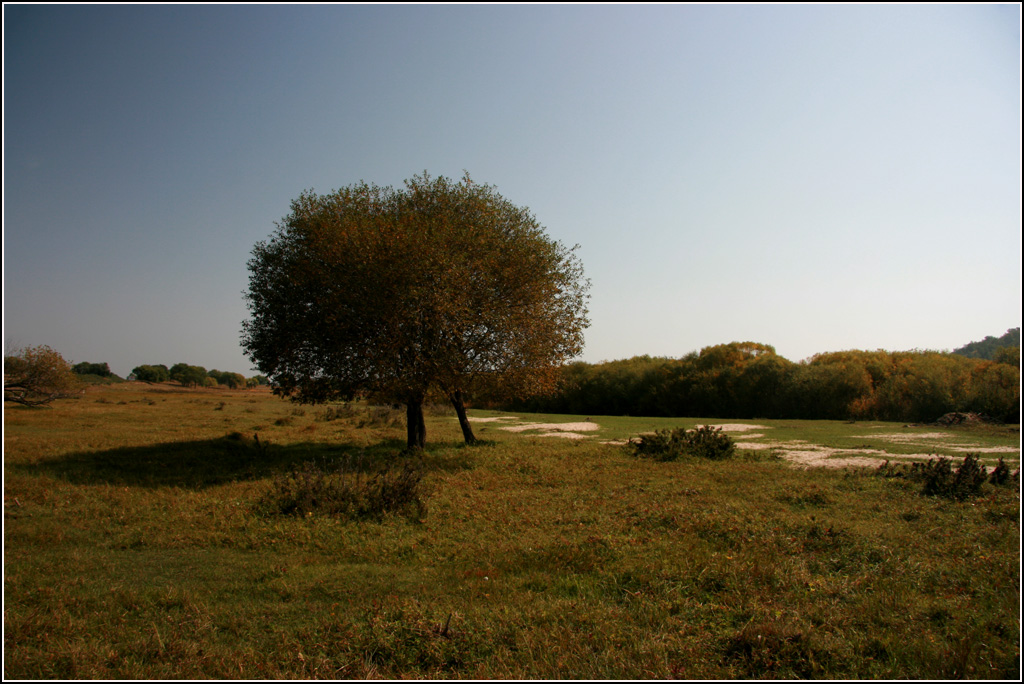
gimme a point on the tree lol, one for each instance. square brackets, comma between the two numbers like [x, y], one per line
[36, 376]
[439, 287]
[86, 368]
[228, 379]
[151, 373]
[1008, 355]
[989, 347]
[189, 376]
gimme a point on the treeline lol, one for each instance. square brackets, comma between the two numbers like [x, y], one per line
[1005, 349]
[749, 380]
[194, 376]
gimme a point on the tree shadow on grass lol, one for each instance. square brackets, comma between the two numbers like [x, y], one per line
[212, 462]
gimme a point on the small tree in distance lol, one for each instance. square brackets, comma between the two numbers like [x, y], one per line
[86, 368]
[36, 376]
[189, 376]
[151, 373]
[441, 287]
[228, 379]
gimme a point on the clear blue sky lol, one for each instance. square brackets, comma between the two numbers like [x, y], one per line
[816, 178]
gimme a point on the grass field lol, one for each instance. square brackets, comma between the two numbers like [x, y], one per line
[135, 546]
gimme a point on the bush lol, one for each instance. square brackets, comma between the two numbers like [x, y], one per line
[702, 442]
[1001, 476]
[346, 492]
[940, 479]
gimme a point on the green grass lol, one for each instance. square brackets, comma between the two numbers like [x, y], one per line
[133, 549]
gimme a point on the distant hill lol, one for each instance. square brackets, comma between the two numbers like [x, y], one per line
[990, 346]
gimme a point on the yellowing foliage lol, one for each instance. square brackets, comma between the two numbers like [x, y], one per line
[441, 286]
[36, 376]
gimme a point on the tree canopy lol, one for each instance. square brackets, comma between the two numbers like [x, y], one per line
[151, 373]
[189, 376]
[86, 368]
[228, 379]
[749, 380]
[36, 376]
[440, 286]
[1002, 349]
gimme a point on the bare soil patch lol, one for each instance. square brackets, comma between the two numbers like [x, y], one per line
[554, 428]
[736, 427]
[923, 437]
[566, 435]
[807, 455]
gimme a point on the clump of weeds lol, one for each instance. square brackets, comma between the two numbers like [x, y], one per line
[346, 492]
[382, 416]
[776, 648]
[335, 412]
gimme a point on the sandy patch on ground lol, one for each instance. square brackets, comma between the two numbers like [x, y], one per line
[913, 438]
[736, 427]
[908, 437]
[554, 428]
[807, 455]
[570, 430]
[567, 435]
[825, 458]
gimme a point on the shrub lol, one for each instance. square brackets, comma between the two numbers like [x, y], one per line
[659, 446]
[346, 492]
[1001, 476]
[702, 442]
[708, 442]
[940, 479]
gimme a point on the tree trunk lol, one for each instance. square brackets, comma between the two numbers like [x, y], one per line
[460, 411]
[416, 429]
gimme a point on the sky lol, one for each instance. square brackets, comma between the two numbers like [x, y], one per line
[813, 177]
